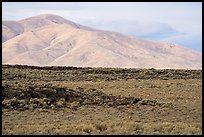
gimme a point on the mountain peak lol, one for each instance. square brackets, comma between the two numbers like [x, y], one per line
[42, 20]
[45, 17]
[43, 40]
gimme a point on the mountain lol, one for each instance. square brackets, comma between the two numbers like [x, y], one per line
[11, 29]
[50, 40]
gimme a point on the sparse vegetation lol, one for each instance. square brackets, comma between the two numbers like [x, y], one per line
[74, 100]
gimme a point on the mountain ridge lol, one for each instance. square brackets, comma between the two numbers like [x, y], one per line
[60, 42]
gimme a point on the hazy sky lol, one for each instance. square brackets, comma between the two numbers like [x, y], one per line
[176, 22]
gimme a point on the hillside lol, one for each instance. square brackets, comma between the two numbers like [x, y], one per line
[50, 40]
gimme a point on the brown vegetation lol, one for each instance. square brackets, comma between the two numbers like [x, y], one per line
[69, 100]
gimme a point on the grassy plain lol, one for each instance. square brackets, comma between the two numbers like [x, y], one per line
[69, 100]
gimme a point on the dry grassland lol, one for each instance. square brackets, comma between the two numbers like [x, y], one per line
[68, 100]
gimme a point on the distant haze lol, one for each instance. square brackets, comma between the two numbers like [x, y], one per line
[175, 22]
[50, 40]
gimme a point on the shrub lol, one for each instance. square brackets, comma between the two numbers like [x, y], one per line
[101, 127]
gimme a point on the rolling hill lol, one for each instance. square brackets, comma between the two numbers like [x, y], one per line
[50, 40]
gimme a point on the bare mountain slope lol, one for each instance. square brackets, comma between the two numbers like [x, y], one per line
[52, 40]
[11, 29]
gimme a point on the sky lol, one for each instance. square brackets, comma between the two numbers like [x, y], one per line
[174, 22]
